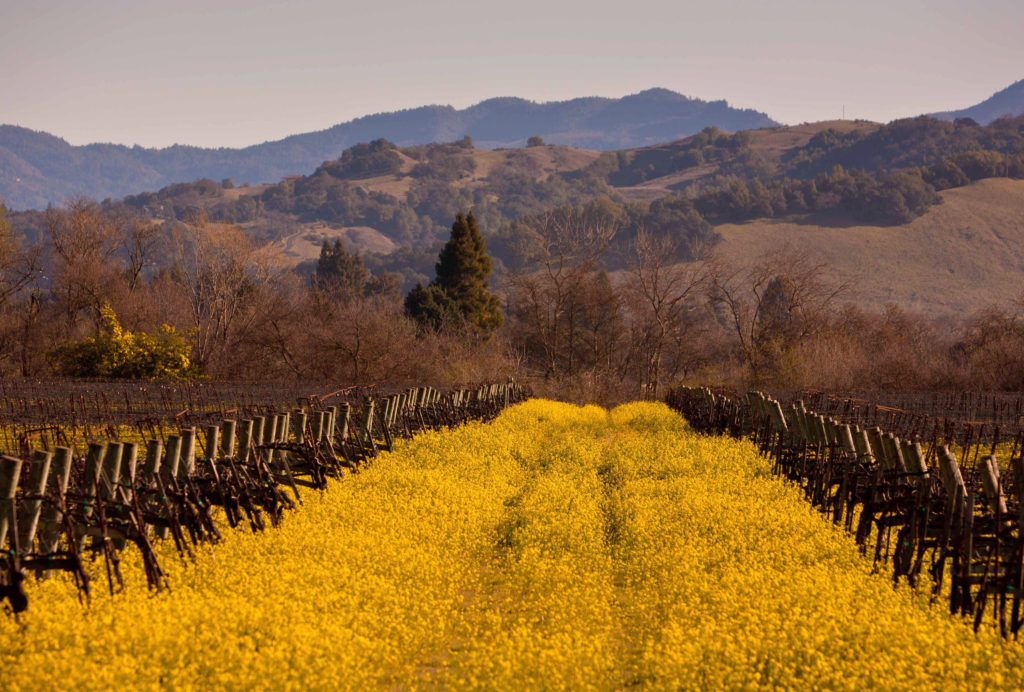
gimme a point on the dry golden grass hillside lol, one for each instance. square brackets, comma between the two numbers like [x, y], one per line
[962, 255]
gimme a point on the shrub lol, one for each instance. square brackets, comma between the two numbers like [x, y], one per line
[116, 352]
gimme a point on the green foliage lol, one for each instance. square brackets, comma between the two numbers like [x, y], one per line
[432, 308]
[906, 143]
[873, 198]
[443, 162]
[366, 160]
[341, 271]
[981, 164]
[115, 352]
[535, 141]
[437, 185]
[708, 146]
[461, 281]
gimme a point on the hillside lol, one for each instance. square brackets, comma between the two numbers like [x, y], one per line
[1008, 102]
[960, 256]
[854, 187]
[37, 168]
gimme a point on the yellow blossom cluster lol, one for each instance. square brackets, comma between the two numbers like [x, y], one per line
[555, 547]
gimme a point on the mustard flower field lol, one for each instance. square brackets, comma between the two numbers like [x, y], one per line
[555, 547]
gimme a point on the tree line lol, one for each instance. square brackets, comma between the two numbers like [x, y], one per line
[104, 294]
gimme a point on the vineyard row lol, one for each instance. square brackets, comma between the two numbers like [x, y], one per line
[900, 489]
[58, 506]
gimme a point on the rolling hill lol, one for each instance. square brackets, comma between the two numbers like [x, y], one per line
[37, 168]
[959, 257]
[1008, 102]
[922, 212]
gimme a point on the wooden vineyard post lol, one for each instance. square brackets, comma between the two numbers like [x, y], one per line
[878, 450]
[319, 419]
[341, 422]
[227, 443]
[154, 456]
[338, 432]
[10, 473]
[111, 471]
[259, 424]
[958, 508]
[169, 471]
[281, 424]
[914, 458]
[299, 426]
[367, 429]
[129, 466]
[187, 465]
[277, 459]
[52, 518]
[212, 442]
[93, 470]
[28, 513]
[94, 459]
[245, 433]
[875, 466]
[386, 420]
[993, 490]
[129, 461]
[332, 423]
[893, 451]
[271, 429]
[172, 457]
[841, 500]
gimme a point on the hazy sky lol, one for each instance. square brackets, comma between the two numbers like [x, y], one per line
[234, 73]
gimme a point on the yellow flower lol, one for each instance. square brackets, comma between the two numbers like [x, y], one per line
[556, 547]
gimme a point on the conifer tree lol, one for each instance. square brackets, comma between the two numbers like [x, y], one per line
[432, 307]
[338, 269]
[461, 282]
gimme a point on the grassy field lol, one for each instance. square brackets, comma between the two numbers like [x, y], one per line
[960, 256]
[554, 548]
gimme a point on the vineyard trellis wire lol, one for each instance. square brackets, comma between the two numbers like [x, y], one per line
[93, 491]
[927, 489]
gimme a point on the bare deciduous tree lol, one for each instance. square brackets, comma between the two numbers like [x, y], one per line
[227, 281]
[663, 296]
[547, 302]
[773, 304]
[84, 243]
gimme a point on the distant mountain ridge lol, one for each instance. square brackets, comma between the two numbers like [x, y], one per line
[37, 168]
[1008, 102]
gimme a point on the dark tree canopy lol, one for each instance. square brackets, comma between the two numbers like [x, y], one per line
[340, 270]
[432, 307]
[461, 282]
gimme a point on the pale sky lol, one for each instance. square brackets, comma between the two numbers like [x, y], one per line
[232, 73]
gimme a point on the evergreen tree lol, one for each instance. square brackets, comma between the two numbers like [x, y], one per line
[432, 307]
[461, 283]
[340, 270]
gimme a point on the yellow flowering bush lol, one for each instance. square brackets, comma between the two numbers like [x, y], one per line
[117, 352]
[556, 547]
